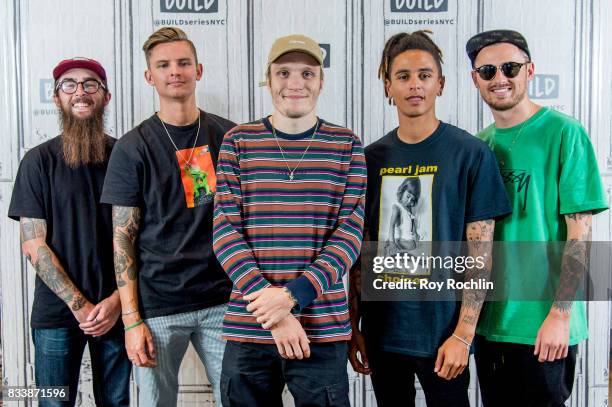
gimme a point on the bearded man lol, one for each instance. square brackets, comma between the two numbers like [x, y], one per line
[66, 233]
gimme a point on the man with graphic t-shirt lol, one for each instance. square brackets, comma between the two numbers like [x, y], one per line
[66, 234]
[288, 226]
[427, 180]
[526, 350]
[161, 182]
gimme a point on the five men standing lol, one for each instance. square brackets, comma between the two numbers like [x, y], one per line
[289, 215]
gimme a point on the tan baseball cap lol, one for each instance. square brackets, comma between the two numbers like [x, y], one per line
[294, 43]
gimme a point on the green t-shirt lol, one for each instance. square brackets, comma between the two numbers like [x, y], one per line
[549, 170]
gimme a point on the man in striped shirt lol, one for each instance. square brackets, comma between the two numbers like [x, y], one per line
[288, 226]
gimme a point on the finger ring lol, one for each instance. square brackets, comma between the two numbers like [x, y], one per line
[96, 320]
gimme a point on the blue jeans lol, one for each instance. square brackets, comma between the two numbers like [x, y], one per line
[58, 353]
[255, 374]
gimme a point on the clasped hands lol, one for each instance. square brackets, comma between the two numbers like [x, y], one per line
[271, 307]
[98, 319]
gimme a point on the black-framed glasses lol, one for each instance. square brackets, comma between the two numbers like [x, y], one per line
[509, 69]
[69, 86]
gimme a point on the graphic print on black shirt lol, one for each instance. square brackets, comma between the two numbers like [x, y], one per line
[198, 175]
[459, 183]
[177, 269]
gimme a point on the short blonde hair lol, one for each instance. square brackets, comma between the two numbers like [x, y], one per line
[165, 35]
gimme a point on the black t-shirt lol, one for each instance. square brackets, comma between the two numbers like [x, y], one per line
[425, 192]
[79, 227]
[177, 269]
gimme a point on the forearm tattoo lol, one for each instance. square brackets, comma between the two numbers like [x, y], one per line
[78, 303]
[575, 261]
[125, 230]
[54, 277]
[480, 244]
[46, 265]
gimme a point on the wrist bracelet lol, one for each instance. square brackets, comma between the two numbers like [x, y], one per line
[291, 297]
[134, 325]
[131, 311]
[466, 343]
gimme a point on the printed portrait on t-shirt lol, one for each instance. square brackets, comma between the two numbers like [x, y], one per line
[198, 175]
[405, 217]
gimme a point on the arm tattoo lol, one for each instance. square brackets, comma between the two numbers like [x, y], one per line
[125, 231]
[32, 228]
[575, 261]
[78, 303]
[120, 265]
[480, 242]
[46, 264]
[54, 277]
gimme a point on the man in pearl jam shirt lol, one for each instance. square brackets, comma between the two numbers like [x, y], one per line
[428, 181]
[161, 182]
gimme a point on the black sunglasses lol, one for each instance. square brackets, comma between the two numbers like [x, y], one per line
[510, 70]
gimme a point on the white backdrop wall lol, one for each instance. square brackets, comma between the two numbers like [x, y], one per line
[569, 41]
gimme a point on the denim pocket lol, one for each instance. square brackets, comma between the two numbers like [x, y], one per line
[337, 395]
[225, 390]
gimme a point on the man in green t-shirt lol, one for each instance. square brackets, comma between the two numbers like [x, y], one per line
[526, 350]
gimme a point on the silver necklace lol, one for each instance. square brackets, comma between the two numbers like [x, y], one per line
[292, 171]
[175, 147]
[514, 139]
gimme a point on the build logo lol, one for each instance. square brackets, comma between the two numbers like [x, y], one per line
[544, 87]
[189, 6]
[325, 49]
[46, 90]
[419, 6]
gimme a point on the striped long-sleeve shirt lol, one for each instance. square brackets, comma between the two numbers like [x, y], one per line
[303, 233]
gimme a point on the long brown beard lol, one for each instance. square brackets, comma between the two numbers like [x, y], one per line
[83, 140]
